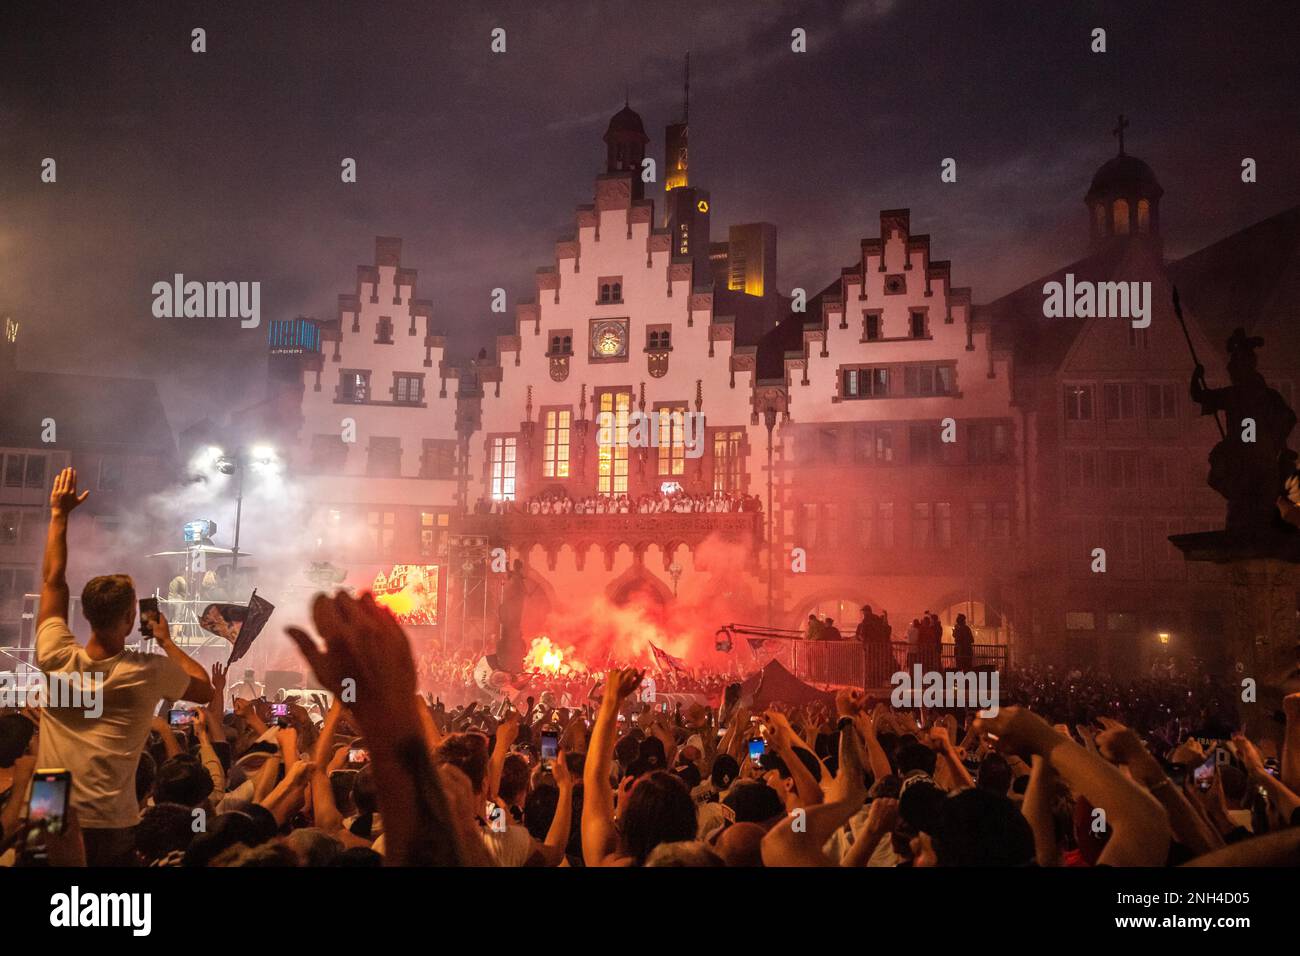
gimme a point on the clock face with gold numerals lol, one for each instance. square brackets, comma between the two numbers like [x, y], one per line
[609, 339]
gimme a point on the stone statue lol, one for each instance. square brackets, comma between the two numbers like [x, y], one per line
[1251, 464]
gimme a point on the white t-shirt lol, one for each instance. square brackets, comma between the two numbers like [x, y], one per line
[103, 750]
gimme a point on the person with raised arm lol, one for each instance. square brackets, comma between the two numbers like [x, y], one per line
[99, 730]
[1139, 825]
[366, 647]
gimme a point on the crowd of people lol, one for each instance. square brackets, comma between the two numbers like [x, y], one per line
[676, 502]
[370, 773]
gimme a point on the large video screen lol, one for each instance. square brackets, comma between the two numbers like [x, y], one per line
[410, 591]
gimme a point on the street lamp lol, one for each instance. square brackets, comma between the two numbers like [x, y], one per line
[260, 458]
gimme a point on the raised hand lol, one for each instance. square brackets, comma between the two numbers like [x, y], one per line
[63, 496]
[622, 682]
[365, 645]
[218, 680]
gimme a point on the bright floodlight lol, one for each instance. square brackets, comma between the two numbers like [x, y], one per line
[262, 453]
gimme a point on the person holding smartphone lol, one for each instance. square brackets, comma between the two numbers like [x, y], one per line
[98, 733]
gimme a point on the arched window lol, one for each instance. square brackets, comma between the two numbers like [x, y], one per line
[1121, 217]
[568, 344]
[1099, 217]
[618, 292]
[555, 344]
[604, 293]
[663, 338]
[654, 340]
[1144, 216]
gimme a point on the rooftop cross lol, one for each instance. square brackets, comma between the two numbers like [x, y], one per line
[1119, 131]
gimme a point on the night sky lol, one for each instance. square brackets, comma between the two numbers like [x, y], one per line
[225, 165]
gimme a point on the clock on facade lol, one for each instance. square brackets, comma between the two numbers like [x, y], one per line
[608, 339]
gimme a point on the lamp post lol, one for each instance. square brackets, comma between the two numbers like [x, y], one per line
[769, 419]
[259, 457]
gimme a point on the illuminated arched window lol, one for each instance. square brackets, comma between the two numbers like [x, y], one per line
[1121, 217]
[1144, 216]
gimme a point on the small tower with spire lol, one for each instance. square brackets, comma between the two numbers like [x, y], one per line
[1124, 198]
[625, 143]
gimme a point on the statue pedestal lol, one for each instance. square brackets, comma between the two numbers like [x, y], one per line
[1263, 568]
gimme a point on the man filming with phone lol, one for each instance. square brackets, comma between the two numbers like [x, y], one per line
[102, 746]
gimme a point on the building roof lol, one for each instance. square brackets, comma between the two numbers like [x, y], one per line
[124, 414]
[1124, 174]
[626, 120]
[787, 335]
[1249, 279]
[1017, 320]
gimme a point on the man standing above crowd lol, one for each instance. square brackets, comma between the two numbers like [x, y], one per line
[99, 733]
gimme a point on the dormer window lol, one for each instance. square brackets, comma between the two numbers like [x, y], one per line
[611, 290]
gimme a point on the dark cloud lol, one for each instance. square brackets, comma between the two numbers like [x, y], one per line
[225, 165]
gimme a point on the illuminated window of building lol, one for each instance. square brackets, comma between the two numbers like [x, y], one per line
[555, 454]
[611, 471]
[1078, 403]
[1144, 216]
[503, 449]
[354, 386]
[672, 440]
[1121, 217]
[727, 447]
[430, 522]
[382, 528]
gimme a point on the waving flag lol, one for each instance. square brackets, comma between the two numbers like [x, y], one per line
[665, 661]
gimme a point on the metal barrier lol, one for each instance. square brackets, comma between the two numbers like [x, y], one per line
[851, 664]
